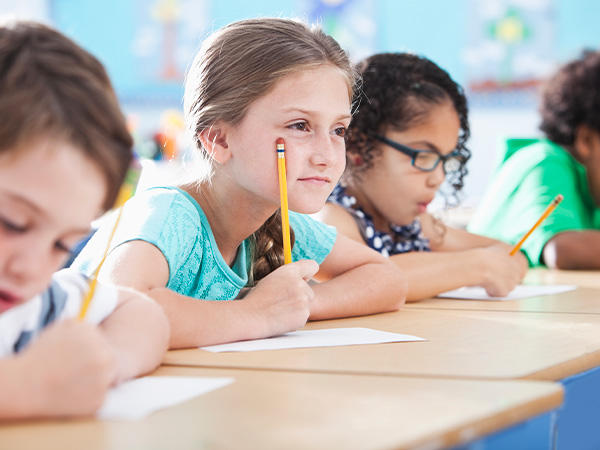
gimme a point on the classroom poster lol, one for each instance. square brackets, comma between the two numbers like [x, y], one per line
[510, 48]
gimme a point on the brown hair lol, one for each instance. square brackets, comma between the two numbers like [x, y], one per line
[239, 64]
[51, 87]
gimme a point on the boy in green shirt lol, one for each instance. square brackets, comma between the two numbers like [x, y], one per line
[534, 171]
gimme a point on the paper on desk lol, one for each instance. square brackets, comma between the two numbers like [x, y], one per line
[315, 338]
[521, 291]
[136, 399]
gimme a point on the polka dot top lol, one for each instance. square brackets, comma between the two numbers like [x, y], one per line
[403, 239]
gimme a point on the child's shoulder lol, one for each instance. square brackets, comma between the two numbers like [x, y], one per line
[313, 239]
[165, 195]
[306, 221]
[64, 297]
[538, 151]
[162, 204]
[61, 300]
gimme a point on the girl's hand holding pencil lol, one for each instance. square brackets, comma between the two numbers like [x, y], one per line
[281, 300]
[505, 272]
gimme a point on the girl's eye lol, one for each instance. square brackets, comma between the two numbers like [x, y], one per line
[12, 227]
[341, 131]
[300, 126]
[61, 247]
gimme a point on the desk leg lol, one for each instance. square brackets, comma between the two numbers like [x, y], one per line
[579, 417]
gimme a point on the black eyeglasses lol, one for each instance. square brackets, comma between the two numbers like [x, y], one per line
[427, 160]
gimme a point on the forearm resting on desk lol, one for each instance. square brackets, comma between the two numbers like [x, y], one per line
[367, 289]
[572, 250]
[431, 273]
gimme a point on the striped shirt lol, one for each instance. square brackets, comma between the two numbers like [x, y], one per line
[62, 300]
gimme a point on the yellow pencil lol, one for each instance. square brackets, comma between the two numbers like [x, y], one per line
[553, 204]
[285, 218]
[125, 193]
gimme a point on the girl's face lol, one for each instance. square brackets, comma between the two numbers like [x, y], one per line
[310, 110]
[49, 194]
[393, 190]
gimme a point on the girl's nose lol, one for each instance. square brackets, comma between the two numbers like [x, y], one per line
[436, 176]
[28, 263]
[323, 152]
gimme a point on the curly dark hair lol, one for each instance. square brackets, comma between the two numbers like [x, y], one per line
[398, 90]
[571, 98]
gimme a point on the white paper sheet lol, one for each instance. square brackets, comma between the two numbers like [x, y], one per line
[315, 338]
[521, 291]
[135, 399]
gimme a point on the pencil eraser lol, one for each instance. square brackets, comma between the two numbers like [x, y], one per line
[279, 141]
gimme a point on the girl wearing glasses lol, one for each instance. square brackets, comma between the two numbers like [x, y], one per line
[407, 137]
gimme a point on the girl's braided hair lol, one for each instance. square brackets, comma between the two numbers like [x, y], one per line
[236, 66]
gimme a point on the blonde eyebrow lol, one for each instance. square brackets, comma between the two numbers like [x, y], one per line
[313, 113]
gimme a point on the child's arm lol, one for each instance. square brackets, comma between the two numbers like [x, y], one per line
[465, 260]
[457, 259]
[65, 372]
[443, 238]
[356, 281]
[573, 250]
[431, 273]
[138, 332]
[278, 304]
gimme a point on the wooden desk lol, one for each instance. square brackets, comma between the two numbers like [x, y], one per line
[583, 300]
[463, 344]
[577, 420]
[275, 410]
[583, 278]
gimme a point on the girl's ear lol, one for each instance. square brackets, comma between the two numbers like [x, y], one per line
[214, 141]
[587, 143]
[355, 159]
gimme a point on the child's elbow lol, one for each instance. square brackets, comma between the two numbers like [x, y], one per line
[156, 327]
[562, 252]
[160, 328]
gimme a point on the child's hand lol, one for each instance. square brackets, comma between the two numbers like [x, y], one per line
[67, 370]
[281, 300]
[500, 272]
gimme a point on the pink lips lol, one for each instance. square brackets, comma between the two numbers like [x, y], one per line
[319, 181]
[422, 206]
[7, 300]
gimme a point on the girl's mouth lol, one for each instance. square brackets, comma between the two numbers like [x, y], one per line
[422, 207]
[7, 300]
[320, 181]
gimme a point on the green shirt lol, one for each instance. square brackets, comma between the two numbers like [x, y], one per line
[173, 221]
[532, 173]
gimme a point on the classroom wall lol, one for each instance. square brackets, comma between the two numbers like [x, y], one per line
[498, 50]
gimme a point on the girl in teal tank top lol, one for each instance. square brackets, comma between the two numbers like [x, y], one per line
[219, 232]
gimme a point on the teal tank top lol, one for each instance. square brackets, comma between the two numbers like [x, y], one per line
[171, 220]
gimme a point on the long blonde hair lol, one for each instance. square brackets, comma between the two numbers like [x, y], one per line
[239, 64]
